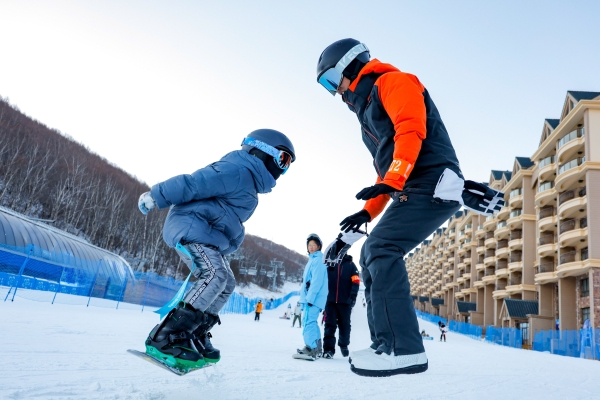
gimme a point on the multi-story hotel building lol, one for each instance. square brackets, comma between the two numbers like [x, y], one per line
[534, 265]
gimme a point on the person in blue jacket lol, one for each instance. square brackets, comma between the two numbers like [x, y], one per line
[313, 297]
[205, 222]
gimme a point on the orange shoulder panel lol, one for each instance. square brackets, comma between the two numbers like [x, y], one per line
[401, 95]
[355, 279]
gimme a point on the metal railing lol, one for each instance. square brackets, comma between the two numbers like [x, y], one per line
[546, 212]
[567, 225]
[489, 235]
[583, 222]
[584, 254]
[501, 264]
[567, 257]
[516, 256]
[546, 267]
[490, 253]
[502, 244]
[566, 196]
[516, 234]
[548, 238]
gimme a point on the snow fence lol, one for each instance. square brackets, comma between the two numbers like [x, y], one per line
[72, 280]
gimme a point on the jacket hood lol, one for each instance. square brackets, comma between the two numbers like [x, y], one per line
[373, 66]
[263, 180]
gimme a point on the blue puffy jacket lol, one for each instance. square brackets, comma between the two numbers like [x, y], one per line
[211, 205]
[315, 272]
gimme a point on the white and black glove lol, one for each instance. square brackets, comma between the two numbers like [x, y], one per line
[482, 199]
[146, 203]
[335, 252]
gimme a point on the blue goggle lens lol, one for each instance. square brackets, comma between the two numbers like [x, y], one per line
[330, 80]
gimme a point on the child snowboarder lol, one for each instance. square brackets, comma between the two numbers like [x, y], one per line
[258, 310]
[204, 223]
[313, 296]
[343, 288]
[443, 329]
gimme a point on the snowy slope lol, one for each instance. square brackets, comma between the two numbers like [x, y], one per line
[252, 290]
[72, 352]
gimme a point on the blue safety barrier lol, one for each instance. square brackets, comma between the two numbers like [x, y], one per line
[510, 337]
[32, 274]
[583, 343]
[429, 317]
[465, 328]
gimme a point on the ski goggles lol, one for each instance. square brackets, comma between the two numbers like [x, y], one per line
[332, 78]
[283, 159]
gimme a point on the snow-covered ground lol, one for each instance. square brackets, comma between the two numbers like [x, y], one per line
[65, 351]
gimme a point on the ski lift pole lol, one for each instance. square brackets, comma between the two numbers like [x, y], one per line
[21, 270]
[94, 283]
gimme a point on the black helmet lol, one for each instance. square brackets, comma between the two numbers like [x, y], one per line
[316, 238]
[350, 54]
[273, 138]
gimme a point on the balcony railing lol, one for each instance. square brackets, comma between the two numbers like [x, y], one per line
[516, 256]
[468, 254]
[566, 196]
[489, 218]
[480, 260]
[500, 285]
[515, 281]
[516, 212]
[567, 225]
[480, 242]
[546, 161]
[571, 164]
[468, 226]
[571, 136]
[582, 192]
[489, 235]
[583, 222]
[547, 238]
[501, 264]
[546, 212]
[490, 272]
[545, 186]
[490, 253]
[501, 224]
[516, 234]
[567, 257]
[516, 192]
[584, 254]
[479, 227]
[502, 244]
[546, 267]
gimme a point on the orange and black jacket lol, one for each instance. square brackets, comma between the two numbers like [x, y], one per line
[343, 282]
[402, 129]
[258, 308]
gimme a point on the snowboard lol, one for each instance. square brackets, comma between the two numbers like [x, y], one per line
[303, 357]
[427, 337]
[164, 365]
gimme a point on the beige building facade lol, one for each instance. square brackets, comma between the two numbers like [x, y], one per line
[535, 264]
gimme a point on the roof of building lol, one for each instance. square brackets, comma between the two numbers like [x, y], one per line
[520, 308]
[508, 175]
[580, 95]
[524, 162]
[414, 297]
[437, 302]
[553, 122]
[465, 306]
[423, 299]
[498, 174]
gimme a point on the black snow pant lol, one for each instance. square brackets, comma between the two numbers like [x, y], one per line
[338, 316]
[297, 317]
[257, 316]
[410, 219]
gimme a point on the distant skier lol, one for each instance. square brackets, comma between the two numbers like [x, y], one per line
[297, 315]
[205, 222]
[258, 310]
[343, 288]
[444, 330]
[417, 167]
[313, 296]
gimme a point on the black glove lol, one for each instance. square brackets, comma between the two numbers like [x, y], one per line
[374, 191]
[352, 301]
[354, 221]
[309, 304]
[481, 198]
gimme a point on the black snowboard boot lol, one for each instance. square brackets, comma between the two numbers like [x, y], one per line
[202, 338]
[171, 340]
[345, 351]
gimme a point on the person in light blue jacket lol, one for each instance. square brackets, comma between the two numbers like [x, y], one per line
[205, 222]
[313, 297]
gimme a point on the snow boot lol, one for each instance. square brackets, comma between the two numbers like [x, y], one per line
[171, 340]
[345, 351]
[328, 354]
[202, 338]
[382, 364]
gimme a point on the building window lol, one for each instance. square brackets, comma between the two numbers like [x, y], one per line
[585, 314]
[585, 287]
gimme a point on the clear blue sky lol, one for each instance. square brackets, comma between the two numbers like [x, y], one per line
[163, 88]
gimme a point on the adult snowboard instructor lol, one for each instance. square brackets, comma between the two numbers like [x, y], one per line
[205, 222]
[417, 167]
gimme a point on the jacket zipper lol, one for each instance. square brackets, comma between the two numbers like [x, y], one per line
[372, 138]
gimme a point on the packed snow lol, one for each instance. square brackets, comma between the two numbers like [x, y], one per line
[62, 351]
[252, 290]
